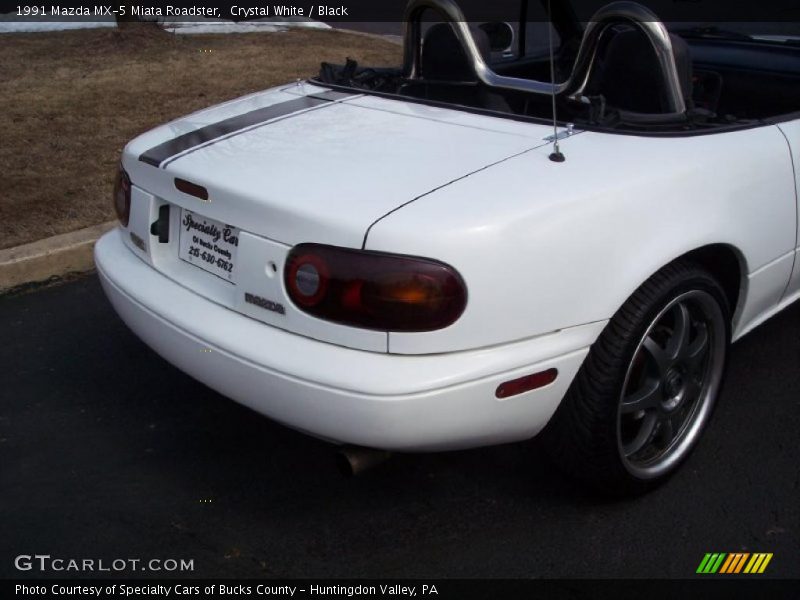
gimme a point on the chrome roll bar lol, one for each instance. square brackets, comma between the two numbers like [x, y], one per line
[574, 86]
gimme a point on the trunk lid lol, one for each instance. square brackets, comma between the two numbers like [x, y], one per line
[323, 173]
[289, 166]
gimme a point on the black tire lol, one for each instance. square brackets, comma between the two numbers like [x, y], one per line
[589, 436]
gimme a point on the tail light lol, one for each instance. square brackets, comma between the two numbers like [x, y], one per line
[374, 290]
[122, 196]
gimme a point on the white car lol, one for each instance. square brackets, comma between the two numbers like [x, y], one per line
[402, 259]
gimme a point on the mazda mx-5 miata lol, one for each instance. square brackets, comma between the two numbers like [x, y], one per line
[493, 241]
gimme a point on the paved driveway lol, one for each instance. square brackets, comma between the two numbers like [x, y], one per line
[106, 451]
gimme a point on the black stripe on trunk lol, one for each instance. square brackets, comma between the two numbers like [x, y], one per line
[158, 154]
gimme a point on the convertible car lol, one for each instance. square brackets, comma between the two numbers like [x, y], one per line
[522, 230]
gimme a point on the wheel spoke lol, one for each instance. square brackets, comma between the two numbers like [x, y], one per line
[669, 426]
[647, 396]
[696, 351]
[643, 436]
[680, 332]
[658, 355]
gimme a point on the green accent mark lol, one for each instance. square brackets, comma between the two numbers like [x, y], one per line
[711, 562]
[701, 568]
[718, 564]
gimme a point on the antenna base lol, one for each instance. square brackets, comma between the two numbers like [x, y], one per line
[557, 157]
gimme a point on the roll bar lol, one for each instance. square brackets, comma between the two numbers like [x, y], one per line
[573, 87]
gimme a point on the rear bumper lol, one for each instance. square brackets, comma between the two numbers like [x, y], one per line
[411, 403]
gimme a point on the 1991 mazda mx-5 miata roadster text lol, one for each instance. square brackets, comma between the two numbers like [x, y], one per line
[411, 259]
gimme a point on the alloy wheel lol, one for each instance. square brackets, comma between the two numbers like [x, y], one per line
[671, 384]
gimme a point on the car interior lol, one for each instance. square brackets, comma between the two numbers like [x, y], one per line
[724, 82]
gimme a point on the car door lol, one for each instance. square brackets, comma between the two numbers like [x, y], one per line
[791, 130]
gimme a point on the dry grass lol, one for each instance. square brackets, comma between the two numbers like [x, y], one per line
[71, 100]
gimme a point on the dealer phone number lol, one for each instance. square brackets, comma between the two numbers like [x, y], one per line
[210, 259]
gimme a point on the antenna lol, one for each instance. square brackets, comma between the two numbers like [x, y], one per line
[555, 155]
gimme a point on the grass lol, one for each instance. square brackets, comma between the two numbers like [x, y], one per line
[71, 100]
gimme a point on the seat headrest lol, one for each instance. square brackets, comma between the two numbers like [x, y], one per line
[631, 75]
[443, 57]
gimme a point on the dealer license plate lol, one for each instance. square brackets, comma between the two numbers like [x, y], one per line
[208, 244]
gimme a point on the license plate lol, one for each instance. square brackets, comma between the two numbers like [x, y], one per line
[208, 244]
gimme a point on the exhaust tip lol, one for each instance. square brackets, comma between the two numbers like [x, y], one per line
[352, 461]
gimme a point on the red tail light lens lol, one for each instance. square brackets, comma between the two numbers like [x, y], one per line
[122, 196]
[374, 290]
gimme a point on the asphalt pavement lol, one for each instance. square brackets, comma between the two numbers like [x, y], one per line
[107, 451]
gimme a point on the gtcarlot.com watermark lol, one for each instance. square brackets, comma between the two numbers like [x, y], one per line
[45, 563]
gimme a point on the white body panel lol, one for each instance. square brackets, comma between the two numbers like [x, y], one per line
[549, 252]
[401, 403]
[792, 132]
[558, 244]
[325, 174]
